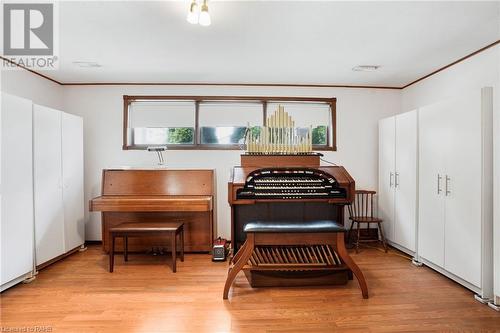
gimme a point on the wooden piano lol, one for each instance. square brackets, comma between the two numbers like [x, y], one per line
[158, 195]
[289, 188]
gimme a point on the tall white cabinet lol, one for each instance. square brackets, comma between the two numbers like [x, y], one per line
[72, 180]
[397, 194]
[16, 190]
[41, 187]
[455, 189]
[58, 183]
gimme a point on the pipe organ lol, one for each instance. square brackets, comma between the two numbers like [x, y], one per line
[279, 136]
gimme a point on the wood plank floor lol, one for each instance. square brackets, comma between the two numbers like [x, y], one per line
[78, 294]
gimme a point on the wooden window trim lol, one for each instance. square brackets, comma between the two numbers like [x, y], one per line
[128, 99]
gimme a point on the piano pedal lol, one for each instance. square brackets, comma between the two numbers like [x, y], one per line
[417, 263]
[481, 299]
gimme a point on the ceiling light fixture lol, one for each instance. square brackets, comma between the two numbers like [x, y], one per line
[199, 16]
[193, 14]
[365, 68]
[87, 64]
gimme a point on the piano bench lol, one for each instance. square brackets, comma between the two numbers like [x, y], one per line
[286, 233]
[127, 230]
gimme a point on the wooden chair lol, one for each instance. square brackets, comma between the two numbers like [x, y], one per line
[361, 211]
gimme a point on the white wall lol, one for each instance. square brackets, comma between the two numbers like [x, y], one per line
[358, 111]
[476, 72]
[41, 91]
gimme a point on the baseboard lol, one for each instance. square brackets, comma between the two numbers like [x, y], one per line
[62, 256]
[15, 281]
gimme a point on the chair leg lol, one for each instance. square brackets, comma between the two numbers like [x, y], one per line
[182, 243]
[382, 237]
[125, 248]
[238, 265]
[112, 253]
[359, 236]
[174, 253]
[344, 256]
[349, 233]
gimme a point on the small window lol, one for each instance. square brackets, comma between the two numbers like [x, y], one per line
[225, 123]
[161, 123]
[317, 116]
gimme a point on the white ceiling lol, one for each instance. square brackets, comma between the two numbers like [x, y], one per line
[305, 42]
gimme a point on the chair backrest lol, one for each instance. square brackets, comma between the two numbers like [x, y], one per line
[362, 206]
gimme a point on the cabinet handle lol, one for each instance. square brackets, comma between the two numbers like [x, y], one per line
[396, 179]
[439, 184]
[390, 179]
[446, 185]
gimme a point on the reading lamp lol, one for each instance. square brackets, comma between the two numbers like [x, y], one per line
[159, 152]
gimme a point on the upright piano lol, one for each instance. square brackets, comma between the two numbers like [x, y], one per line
[289, 188]
[158, 195]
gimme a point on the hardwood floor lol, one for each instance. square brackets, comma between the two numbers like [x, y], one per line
[78, 294]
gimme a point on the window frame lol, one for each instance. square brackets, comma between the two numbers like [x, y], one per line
[128, 99]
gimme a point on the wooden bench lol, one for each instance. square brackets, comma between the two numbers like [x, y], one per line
[127, 230]
[284, 233]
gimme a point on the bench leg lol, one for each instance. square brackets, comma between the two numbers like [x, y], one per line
[112, 253]
[238, 254]
[182, 243]
[174, 252]
[342, 252]
[125, 248]
[246, 252]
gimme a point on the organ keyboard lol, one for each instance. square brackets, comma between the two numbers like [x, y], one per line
[290, 183]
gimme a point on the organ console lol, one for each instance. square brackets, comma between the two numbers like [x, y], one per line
[281, 187]
[158, 195]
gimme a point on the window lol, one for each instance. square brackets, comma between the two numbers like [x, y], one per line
[316, 116]
[219, 122]
[161, 123]
[225, 123]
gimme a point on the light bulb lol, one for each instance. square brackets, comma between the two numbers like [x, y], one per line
[192, 16]
[204, 15]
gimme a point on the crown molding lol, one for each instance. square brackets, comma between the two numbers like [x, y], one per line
[251, 84]
[453, 63]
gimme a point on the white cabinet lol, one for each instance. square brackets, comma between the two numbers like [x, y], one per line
[49, 209]
[398, 179]
[455, 188]
[431, 182]
[72, 173]
[16, 194]
[58, 178]
[387, 161]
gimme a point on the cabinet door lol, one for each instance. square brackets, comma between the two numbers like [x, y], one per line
[72, 170]
[386, 175]
[49, 214]
[406, 180]
[16, 226]
[431, 234]
[463, 199]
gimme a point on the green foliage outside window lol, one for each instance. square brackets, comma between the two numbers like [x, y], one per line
[319, 135]
[180, 135]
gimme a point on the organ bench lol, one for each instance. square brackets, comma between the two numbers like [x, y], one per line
[272, 237]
